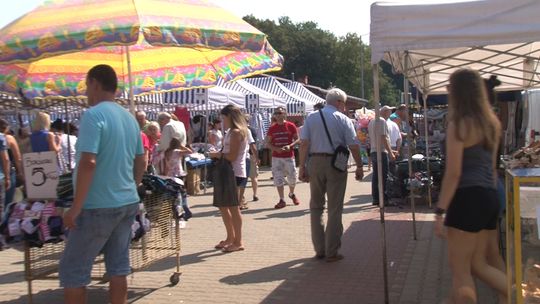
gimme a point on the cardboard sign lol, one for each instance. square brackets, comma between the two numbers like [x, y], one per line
[41, 175]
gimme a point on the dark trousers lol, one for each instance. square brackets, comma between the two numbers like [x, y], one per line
[375, 176]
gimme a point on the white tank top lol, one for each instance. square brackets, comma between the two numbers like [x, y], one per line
[239, 164]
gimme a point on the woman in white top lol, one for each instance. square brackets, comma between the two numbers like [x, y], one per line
[234, 151]
[215, 137]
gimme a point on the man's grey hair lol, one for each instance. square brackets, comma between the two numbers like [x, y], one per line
[141, 112]
[334, 95]
[164, 115]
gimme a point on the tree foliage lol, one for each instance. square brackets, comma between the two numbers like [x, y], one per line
[326, 59]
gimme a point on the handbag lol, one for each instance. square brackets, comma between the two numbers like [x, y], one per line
[340, 158]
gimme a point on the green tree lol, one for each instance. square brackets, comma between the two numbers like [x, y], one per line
[326, 59]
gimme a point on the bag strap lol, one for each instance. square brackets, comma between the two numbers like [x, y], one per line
[326, 129]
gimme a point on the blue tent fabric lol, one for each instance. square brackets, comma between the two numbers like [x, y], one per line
[295, 104]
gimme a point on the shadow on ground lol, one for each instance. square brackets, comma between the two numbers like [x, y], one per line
[96, 294]
[356, 279]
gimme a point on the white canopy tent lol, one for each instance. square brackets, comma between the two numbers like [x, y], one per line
[300, 90]
[427, 42]
[265, 99]
[295, 104]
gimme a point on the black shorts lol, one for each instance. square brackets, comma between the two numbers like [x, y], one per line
[241, 181]
[473, 209]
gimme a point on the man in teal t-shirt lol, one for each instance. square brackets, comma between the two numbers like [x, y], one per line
[110, 165]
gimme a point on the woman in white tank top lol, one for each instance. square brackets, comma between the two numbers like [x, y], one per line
[234, 150]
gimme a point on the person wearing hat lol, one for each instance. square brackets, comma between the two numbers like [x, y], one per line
[281, 139]
[380, 128]
[394, 131]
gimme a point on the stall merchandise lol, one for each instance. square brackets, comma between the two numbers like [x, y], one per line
[36, 227]
[526, 157]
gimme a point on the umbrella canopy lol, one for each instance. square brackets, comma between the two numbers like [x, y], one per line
[161, 45]
[153, 69]
[59, 27]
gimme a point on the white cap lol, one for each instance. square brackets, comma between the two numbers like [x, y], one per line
[387, 108]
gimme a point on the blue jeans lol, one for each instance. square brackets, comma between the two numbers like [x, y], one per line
[375, 177]
[2, 194]
[10, 193]
[101, 230]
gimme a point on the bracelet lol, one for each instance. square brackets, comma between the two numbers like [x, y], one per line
[439, 211]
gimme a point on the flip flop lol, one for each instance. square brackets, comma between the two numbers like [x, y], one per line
[232, 248]
[221, 245]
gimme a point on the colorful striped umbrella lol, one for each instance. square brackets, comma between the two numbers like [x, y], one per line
[47, 52]
[59, 27]
[153, 69]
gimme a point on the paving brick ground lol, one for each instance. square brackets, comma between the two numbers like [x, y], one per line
[277, 265]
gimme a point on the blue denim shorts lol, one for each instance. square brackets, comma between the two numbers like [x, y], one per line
[101, 230]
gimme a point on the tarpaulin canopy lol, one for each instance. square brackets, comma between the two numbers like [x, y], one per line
[428, 42]
[300, 90]
[213, 97]
[295, 103]
[265, 99]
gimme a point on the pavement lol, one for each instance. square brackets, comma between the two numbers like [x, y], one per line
[277, 265]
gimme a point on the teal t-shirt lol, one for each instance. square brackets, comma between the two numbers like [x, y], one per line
[112, 133]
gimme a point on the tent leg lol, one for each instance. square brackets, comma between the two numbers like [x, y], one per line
[380, 181]
[427, 150]
[409, 140]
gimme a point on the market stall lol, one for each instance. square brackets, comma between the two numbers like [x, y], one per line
[430, 41]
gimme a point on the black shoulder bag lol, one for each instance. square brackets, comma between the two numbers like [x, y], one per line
[340, 159]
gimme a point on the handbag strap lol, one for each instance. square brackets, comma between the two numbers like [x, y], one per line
[326, 129]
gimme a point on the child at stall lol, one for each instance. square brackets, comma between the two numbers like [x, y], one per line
[171, 164]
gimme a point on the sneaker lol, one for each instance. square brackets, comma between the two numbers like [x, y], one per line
[294, 199]
[281, 204]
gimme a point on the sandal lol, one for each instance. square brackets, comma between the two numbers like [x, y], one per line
[232, 248]
[221, 245]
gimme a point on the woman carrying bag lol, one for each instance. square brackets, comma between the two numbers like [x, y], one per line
[229, 173]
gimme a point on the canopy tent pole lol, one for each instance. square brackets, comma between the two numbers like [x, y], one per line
[427, 148]
[380, 181]
[131, 100]
[409, 139]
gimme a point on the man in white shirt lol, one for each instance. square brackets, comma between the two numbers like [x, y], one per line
[394, 133]
[170, 129]
[380, 128]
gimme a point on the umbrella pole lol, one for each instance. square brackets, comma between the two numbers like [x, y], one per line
[380, 180]
[68, 135]
[131, 101]
[409, 140]
[427, 149]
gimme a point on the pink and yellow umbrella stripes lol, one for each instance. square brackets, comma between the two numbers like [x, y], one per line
[153, 69]
[60, 27]
[171, 45]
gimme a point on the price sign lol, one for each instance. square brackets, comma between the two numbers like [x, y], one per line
[41, 175]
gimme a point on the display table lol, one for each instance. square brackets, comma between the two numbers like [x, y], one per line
[195, 169]
[522, 241]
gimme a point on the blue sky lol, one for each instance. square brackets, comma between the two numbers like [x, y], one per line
[337, 16]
